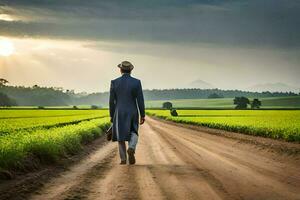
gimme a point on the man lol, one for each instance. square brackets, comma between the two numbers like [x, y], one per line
[126, 103]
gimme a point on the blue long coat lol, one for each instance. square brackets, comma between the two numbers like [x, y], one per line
[126, 102]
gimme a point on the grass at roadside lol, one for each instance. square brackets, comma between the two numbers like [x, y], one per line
[274, 124]
[47, 145]
[46, 135]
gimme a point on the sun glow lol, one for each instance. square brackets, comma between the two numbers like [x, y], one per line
[5, 17]
[6, 47]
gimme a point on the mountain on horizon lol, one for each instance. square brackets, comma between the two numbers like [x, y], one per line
[200, 84]
[274, 87]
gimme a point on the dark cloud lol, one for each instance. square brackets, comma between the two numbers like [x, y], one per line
[258, 23]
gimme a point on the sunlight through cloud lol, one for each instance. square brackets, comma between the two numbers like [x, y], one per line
[6, 17]
[6, 47]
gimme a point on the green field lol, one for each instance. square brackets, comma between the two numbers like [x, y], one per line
[12, 120]
[46, 135]
[270, 102]
[277, 124]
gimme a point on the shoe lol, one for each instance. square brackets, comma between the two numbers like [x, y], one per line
[123, 162]
[131, 157]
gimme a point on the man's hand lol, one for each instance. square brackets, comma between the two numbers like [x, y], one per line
[142, 120]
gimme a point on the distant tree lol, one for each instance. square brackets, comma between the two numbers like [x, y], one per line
[75, 107]
[41, 107]
[255, 104]
[35, 86]
[71, 92]
[167, 105]
[58, 88]
[215, 96]
[94, 107]
[3, 82]
[6, 101]
[241, 102]
[174, 112]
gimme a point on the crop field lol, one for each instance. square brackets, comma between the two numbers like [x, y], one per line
[270, 102]
[46, 134]
[12, 120]
[268, 123]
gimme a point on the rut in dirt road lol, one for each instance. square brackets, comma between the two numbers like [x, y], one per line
[179, 163]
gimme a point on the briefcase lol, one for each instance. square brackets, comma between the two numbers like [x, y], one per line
[109, 133]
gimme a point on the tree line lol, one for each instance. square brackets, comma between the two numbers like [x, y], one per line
[53, 96]
[240, 103]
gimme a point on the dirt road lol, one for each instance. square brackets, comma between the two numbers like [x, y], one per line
[179, 163]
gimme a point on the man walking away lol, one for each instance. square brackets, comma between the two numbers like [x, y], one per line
[127, 111]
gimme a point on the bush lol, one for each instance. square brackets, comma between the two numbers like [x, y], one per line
[167, 105]
[41, 107]
[174, 112]
[94, 107]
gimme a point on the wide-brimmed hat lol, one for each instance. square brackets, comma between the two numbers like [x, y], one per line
[126, 65]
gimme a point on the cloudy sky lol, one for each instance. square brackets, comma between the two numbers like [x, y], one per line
[77, 44]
